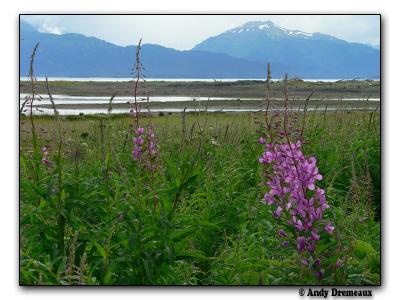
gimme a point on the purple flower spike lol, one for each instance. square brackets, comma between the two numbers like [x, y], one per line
[145, 146]
[292, 181]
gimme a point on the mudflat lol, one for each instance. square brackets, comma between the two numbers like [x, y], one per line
[354, 89]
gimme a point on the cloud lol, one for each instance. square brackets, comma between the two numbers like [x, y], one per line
[49, 24]
[183, 32]
[50, 27]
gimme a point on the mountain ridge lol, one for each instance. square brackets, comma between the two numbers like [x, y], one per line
[296, 51]
[221, 56]
[76, 55]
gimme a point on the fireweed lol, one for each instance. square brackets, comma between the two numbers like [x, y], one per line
[295, 199]
[45, 154]
[145, 147]
[138, 141]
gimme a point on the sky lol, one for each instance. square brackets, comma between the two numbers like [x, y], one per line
[183, 32]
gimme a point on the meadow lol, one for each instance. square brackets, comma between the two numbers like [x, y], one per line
[278, 197]
[188, 208]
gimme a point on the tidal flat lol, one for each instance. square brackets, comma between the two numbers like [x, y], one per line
[92, 97]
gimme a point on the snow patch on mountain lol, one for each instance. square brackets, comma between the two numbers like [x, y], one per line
[270, 29]
[263, 26]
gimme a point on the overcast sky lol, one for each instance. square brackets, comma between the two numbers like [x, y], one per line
[184, 32]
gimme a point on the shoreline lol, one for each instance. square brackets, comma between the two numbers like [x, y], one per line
[355, 89]
[217, 104]
[224, 106]
[89, 97]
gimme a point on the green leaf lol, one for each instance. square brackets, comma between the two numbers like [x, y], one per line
[198, 255]
[322, 247]
[61, 267]
[39, 190]
[372, 262]
[361, 249]
[132, 240]
[207, 224]
[101, 251]
[181, 234]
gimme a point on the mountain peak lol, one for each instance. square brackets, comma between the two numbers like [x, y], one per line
[259, 24]
[270, 28]
[295, 52]
[239, 53]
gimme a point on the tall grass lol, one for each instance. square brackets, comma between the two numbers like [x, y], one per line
[95, 216]
[210, 226]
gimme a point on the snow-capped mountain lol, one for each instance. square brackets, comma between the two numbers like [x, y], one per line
[295, 52]
[76, 55]
[241, 52]
[270, 29]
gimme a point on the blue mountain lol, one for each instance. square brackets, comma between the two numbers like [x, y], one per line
[302, 54]
[76, 55]
[242, 52]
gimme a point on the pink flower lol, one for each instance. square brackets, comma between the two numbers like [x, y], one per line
[301, 243]
[319, 275]
[138, 140]
[266, 158]
[262, 141]
[314, 235]
[304, 262]
[329, 228]
[145, 145]
[140, 131]
[292, 179]
[269, 198]
[282, 233]
[278, 212]
[44, 159]
[338, 263]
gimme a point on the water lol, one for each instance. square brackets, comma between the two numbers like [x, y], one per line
[92, 111]
[78, 100]
[64, 99]
[81, 104]
[112, 79]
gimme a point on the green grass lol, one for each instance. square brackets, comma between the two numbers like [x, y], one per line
[90, 217]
